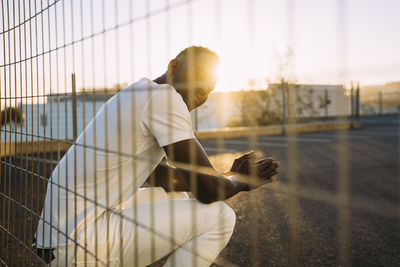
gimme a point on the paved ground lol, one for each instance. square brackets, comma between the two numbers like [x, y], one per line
[336, 201]
[307, 225]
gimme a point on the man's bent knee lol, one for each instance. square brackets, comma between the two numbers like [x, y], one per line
[226, 216]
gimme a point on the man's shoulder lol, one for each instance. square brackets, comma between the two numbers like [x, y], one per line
[146, 94]
[148, 87]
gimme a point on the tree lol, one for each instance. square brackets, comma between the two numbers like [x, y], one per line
[257, 107]
[264, 107]
[10, 114]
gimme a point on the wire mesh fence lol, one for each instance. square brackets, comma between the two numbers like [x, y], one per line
[100, 167]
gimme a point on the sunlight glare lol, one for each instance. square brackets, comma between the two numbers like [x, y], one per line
[237, 68]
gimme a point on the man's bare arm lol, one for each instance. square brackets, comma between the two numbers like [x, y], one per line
[206, 188]
[168, 178]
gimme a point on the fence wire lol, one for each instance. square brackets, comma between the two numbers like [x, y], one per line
[76, 142]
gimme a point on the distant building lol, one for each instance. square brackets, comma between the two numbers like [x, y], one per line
[54, 119]
[221, 107]
[392, 87]
[380, 98]
[338, 101]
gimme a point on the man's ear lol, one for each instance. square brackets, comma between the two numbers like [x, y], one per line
[173, 66]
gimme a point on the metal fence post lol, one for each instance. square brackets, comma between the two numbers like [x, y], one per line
[358, 101]
[326, 103]
[283, 107]
[352, 100]
[380, 103]
[74, 119]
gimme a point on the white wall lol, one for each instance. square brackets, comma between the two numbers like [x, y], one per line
[51, 120]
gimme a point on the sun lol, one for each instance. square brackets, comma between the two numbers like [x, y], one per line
[231, 74]
[236, 70]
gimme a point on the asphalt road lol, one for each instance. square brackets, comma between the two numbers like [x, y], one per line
[335, 201]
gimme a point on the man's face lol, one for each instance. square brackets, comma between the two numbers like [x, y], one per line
[196, 80]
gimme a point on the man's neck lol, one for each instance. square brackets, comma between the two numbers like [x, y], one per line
[162, 79]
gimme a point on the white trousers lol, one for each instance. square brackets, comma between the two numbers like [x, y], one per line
[159, 224]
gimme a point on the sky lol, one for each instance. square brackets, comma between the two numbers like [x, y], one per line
[307, 41]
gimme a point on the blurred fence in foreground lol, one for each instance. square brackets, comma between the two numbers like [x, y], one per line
[44, 42]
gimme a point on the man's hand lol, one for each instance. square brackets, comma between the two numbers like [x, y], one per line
[258, 172]
[243, 162]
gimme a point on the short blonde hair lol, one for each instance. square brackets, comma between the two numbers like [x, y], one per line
[195, 51]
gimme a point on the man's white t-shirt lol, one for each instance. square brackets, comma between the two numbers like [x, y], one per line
[112, 158]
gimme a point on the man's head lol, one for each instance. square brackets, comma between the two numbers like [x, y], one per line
[193, 74]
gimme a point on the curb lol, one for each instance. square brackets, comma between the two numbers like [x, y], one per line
[32, 147]
[238, 132]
